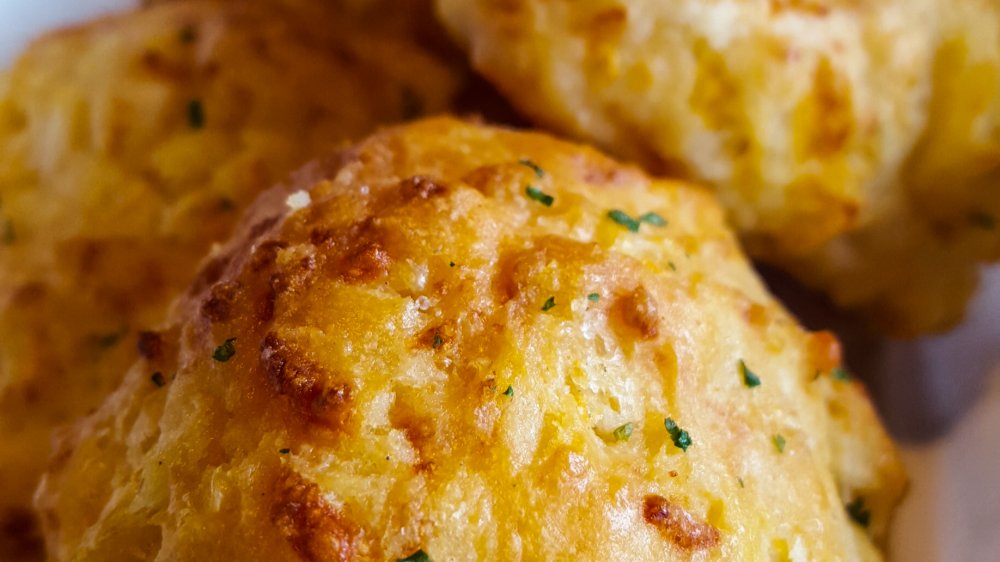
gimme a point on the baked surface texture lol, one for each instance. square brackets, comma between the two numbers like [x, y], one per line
[856, 144]
[413, 348]
[128, 146]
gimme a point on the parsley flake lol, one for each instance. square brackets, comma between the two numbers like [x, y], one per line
[158, 379]
[418, 556]
[549, 304]
[858, 513]
[779, 442]
[538, 169]
[841, 374]
[509, 391]
[593, 297]
[672, 266]
[225, 351]
[536, 194]
[110, 339]
[196, 114]
[623, 432]
[653, 218]
[284, 451]
[750, 379]
[437, 341]
[740, 480]
[622, 218]
[681, 438]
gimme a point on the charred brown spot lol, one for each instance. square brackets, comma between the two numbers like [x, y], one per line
[305, 383]
[289, 280]
[321, 236]
[267, 303]
[368, 263]
[639, 311]
[422, 186]
[419, 430]
[150, 345]
[677, 525]
[425, 466]
[294, 277]
[314, 528]
[219, 304]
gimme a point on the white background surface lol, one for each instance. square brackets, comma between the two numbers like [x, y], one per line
[952, 512]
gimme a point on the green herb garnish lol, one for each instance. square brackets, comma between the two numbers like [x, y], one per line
[549, 303]
[858, 513]
[418, 556]
[841, 374]
[196, 114]
[779, 442]
[622, 218]
[653, 218]
[680, 437]
[225, 351]
[593, 297]
[740, 480]
[672, 266]
[538, 169]
[110, 339]
[437, 341]
[749, 377]
[538, 195]
[623, 432]
[509, 391]
[158, 379]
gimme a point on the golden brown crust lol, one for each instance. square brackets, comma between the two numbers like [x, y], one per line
[131, 144]
[314, 528]
[678, 525]
[469, 398]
